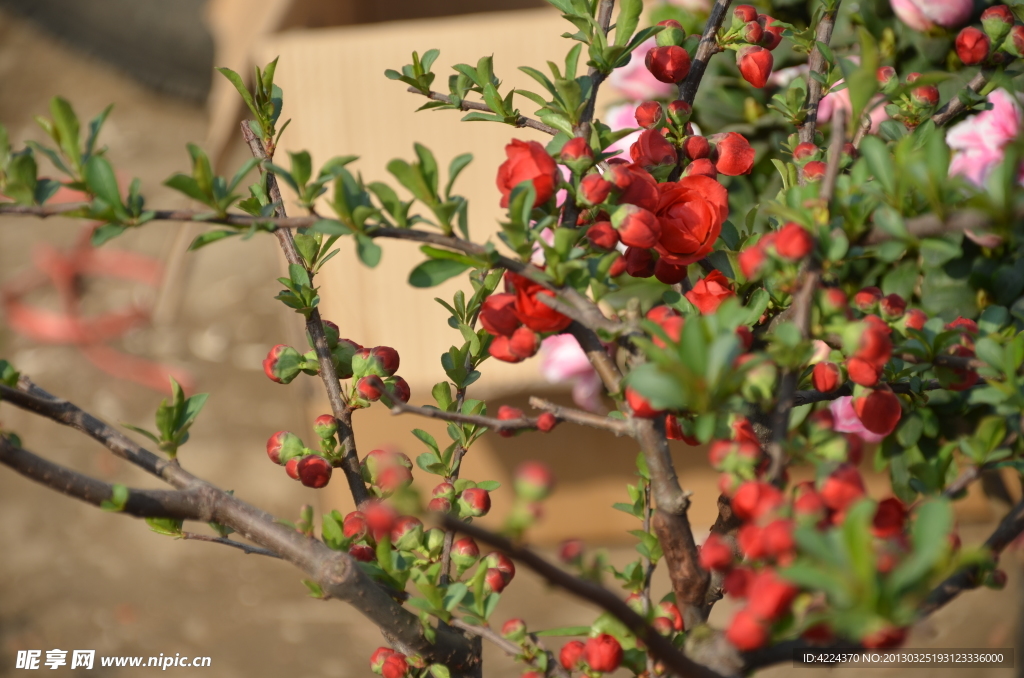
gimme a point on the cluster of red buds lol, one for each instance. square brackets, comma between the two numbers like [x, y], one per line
[463, 498]
[517, 318]
[765, 540]
[300, 462]
[786, 247]
[911, 108]
[601, 653]
[753, 36]
[998, 39]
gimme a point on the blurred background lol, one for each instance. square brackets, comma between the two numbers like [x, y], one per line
[72, 577]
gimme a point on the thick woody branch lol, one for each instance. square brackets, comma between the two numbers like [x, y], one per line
[671, 524]
[818, 65]
[707, 48]
[521, 121]
[619, 427]
[660, 646]
[726, 526]
[315, 328]
[955, 106]
[606, 368]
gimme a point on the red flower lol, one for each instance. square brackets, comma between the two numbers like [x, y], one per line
[715, 554]
[637, 227]
[709, 292]
[652, 149]
[893, 307]
[915, 319]
[733, 154]
[879, 411]
[670, 274]
[751, 259]
[751, 542]
[603, 235]
[862, 372]
[744, 14]
[814, 170]
[527, 161]
[770, 596]
[524, 342]
[649, 114]
[594, 189]
[668, 64]
[826, 377]
[702, 167]
[754, 499]
[842, 488]
[639, 262]
[777, 539]
[926, 95]
[889, 519]
[531, 311]
[498, 314]
[972, 46]
[692, 211]
[755, 64]
[501, 348]
[696, 147]
[603, 653]
[575, 149]
[570, 655]
[793, 242]
[640, 405]
[772, 35]
[746, 632]
[866, 299]
[737, 582]
[636, 186]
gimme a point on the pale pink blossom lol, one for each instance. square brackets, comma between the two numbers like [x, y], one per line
[841, 100]
[702, 6]
[562, 360]
[924, 15]
[978, 141]
[622, 116]
[821, 351]
[635, 82]
[784, 76]
[847, 421]
[537, 256]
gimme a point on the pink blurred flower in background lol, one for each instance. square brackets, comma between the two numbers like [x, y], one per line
[841, 99]
[702, 6]
[562, 360]
[622, 116]
[978, 141]
[924, 15]
[847, 421]
[635, 82]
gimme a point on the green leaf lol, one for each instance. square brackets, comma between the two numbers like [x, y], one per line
[204, 239]
[331, 227]
[880, 161]
[369, 252]
[629, 17]
[167, 526]
[458, 164]
[564, 630]
[239, 84]
[435, 271]
[101, 180]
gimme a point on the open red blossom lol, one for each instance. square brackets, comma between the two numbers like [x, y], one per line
[755, 64]
[652, 149]
[715, 554]
[692, 211]
[498, 314]
[527, 161]
[879, 411]
[890, 517]
[709, 292]
[733, 154]
[635, 186]
[746, 632]
[668, 64]
[972, 46]
[531, 311]
[793, 242]
[603, 653]
[639, 262]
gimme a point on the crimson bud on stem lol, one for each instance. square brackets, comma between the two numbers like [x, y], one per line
[669, 64]
[972, 46]
[755, 64]
[314, 471]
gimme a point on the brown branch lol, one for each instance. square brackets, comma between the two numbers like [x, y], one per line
[955, 106]
[315, 327]
[521, 121]
[817, 64]
[245, 548]
[620, 427]
[659, 645]
[968, 476]
[932, 225]
[606, 368]
[707, 48]
[519, 424]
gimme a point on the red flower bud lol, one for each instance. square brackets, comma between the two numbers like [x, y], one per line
[514, 629]
[603, 653]
[668, 64]
[805, 151]
[498, 315]
[533, 481]
[362, 553]
[669, 274]
[399, 388]
[915, 319]
[746, 632]
[997, 22]
[371, 387]
[570, 655]
[737, 581]
[809, 503]
[354, 526]
[696, 147]
[926, 96]
[524, 343]
[715, 554]
[395, 666]
[814, 170]
[887, 78]
[639, 405]
[388, 358]
[752, 33]
[378, 657]
[751, 541]
[407, 533]
[892, 307]
[575, 150]
[380, 518]
[709, 292]
[885, 637]
[292, 468]
[651, 149]
[772, 35]
[527, 161]
[702, 167]
[394, 478]
[755, 64]
[325, 426]
[754, 499]
[594, 189]
[879, 411]
[826, 377]
[751, 259]
[866, 299]
[770, 596]
[503, 564]
[603, 235]
[649, 114]
[501, 349]
[668, 610]
[842, 488]
[546, 422]
[733, 154]
[474, 502]
[890, 517]
[465, 552]
[679, 112]
[742, 14]
[972, 46]
[639, 262]
[282, 364]
[314, 471]
[672, 34]
[283, 446]
[1015, 44]
[862, 372]
[618, 266]
[777, 539]
[793, 242]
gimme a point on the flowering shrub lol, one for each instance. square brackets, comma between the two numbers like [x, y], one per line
[794, 297]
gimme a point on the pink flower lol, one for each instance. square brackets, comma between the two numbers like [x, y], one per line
[979, 140]
[841, 99]
[784, 76]
[636, 83]
[537, 258]
[702, 6]
[563, 360]
[924, 15]
[847, 421]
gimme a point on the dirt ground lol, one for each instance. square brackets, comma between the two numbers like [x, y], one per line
[72, 577]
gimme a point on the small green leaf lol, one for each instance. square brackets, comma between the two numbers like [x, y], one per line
[433, 272]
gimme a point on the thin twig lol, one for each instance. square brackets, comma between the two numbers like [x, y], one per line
[620, 427]
[508, 647]
[658, 645]
[518, 424]
[315, 328]
[245, 548]
[968, 476]
[817, 64]
[955, 106]
[464, 105]
[707, 48]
